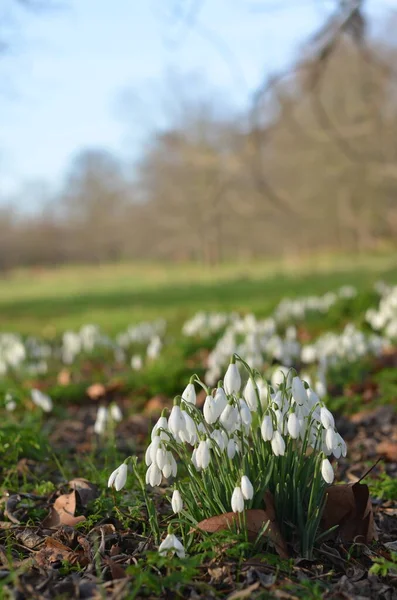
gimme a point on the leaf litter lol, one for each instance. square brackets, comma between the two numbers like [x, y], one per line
[63, 554]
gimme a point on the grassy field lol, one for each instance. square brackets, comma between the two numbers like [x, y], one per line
[48, 301]
[112, 537]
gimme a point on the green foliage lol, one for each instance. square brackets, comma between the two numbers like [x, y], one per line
[175, 575]
[384, 487]
[383, 566]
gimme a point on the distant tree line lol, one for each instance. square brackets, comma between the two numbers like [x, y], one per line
[311, 166]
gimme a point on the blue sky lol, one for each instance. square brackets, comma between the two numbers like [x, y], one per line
[68, 72]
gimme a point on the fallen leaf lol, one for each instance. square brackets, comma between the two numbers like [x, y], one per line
[116, 570]
[54, 551]
[96, 391]
[349, 507]
[156, 404]
[255, 520]
[86, 490]
[245, 593]
[62, 512]
[64, 377]
[388, 450]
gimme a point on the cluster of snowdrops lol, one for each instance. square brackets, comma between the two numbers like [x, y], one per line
[249, 438]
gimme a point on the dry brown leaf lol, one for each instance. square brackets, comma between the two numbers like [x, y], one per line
[86, 490]
[349, 506]
[116, 570]
[255, 520]
[64, 377]
[156, 404]
[54, 551]
[62, 513]
[96, 391]
[388, 450]
[245, 593]
[51, 552]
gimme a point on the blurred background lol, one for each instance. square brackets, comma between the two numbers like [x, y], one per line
[193, 130]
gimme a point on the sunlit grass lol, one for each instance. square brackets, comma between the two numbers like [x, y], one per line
[48, 301]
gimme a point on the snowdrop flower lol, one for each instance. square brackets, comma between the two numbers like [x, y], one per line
[330, 440]
[115, 412]
[151, 451]
[245, 413]
[162, 423]
[10, 402]
[136, 362]
[189, 394]
[327, 471]
[153, 475]
[203, 455]
[176, 502]
[279, 375]
[267, 428]
[154, 347]
[209, 410]
[232, 379]
[118, 478]
[172, 544]
[220, 439]
[278, 444]
[293, 426]
[237, 501]
[189, 432]
[246, 488]
[339, 449]
[176, 422]
[229, 417]
[231, 449]
[101, 420]
[299, 393]
[251, 394]
[41, 400]
[327, 419]
[170, 467]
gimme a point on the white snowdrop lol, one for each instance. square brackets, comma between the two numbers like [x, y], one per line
[189, 394]
[278, 444]
[172, 544]
[232, 379]
[176, 502]
[118, 478]
[267, 428]
[327, 471]
[246, 488]
[237, 501]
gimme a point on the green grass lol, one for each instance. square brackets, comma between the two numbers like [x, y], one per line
[47, 302]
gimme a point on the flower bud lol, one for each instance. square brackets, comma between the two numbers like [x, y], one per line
[232, 380]
[327, 471]
[246, 488]
[278, 444]
[299, 393]
[267, 428]
[176, 502]
[293, 426]
[231, 449]
[237, 500]
[203, 456]
[251, 394]
[189, 394]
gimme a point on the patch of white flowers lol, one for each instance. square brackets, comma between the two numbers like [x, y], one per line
[250, 437]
